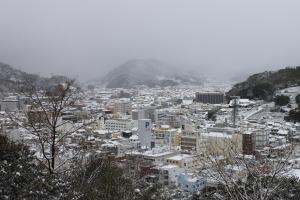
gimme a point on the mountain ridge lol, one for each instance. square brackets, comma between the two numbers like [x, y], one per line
[148, 72]
[12, 79]
[263, 85]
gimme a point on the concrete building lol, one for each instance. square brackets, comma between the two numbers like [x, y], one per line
[188, 143]
[144, 113]
[167, 174]
[210, 97]
[189, 182]
[241, 102]
[186, 161]
[254, 140]
[122, 107]
[248, 144]
[145, 132]
[118, 124]
[261, 138]
[138, 114]
[164, 135]
[189, 138]
[157, 155]
[10, 104]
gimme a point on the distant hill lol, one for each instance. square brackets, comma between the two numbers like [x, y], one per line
[263, 85]
[149, 73]
[12, 80]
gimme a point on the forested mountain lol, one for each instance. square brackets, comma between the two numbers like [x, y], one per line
[263, 85]
[12, 80]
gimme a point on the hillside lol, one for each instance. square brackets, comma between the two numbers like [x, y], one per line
[263, 85]
[12, 80]
[150, 73]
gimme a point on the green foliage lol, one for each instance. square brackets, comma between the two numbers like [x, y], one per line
[102, 179]
[263, 91]
[298, 99]
[294, 115]
[264, 84]
[211, 115]
[281, 100]
[20, 178]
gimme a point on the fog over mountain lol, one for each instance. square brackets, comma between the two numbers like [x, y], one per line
[14, 80]
[87, 39]
[148, 72]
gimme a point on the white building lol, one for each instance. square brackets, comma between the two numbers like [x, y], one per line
[144, 132]
[9, 104]
[186, 161]
[118, 124]
[168, 174]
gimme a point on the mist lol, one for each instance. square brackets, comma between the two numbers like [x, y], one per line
[86, 39]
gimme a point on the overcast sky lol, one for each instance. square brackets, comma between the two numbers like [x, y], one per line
[86, 38]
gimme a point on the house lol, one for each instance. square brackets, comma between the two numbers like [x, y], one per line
[189, 182]
[185, 161]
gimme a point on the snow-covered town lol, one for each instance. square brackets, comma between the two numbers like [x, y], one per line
[170, 136]
[149, 100]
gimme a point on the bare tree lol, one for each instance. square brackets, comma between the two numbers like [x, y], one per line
[245, 177]
[43, 120]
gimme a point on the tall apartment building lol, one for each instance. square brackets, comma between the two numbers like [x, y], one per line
[189, 140]
[145, 132]
[122, 107]
[210, 97]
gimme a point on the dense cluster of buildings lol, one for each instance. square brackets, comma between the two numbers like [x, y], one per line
[168, 130]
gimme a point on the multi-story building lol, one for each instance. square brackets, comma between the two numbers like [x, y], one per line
[188, 143]
[186, 161]
[145, 132]
[157, 155]
[167, 174]
[189, 138]
[261, 138]
[11, 103]
[190, 182]
[123, 107]
[144, 113]
[248, 144]
[210, 97]
[118, 124]
[164, 135]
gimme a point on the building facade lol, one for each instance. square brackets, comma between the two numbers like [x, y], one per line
[210, 97]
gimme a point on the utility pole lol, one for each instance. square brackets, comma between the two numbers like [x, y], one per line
[235, 110]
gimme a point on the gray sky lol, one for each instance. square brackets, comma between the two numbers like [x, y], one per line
[86, 38]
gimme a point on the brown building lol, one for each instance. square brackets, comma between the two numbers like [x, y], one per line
[249, 144]
[188, 143]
